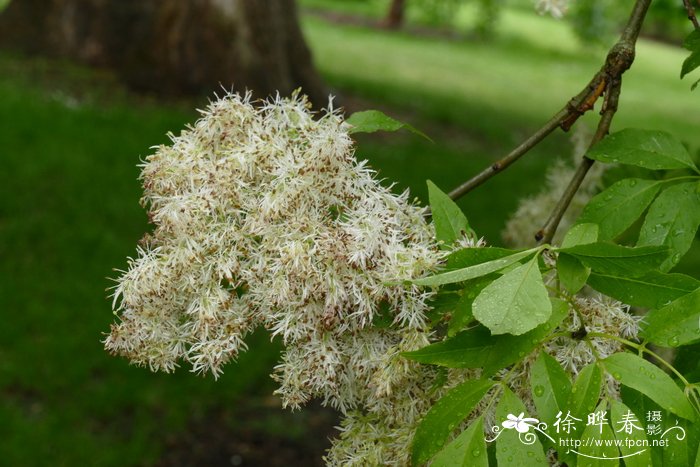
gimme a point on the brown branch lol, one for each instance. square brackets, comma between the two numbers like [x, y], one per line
[547, 232]
[618, 60]
[691, 13]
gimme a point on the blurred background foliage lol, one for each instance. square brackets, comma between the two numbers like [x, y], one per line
[476, 75]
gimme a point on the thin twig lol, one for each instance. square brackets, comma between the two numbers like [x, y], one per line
[546, 234]
[691, 13]
[566, 117]
[619, 60]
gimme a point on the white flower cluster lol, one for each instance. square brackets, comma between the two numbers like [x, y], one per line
[556, 8]
[263, 217]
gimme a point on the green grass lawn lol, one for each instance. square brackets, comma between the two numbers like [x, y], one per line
[69, 147]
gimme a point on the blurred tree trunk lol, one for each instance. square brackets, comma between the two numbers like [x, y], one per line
[395, 15]
[172, 46]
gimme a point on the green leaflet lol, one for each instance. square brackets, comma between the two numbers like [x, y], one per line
[585, 393]
[510, 450]
[478, 270]
[651, 149]
[692, 43]
[673, 220]
[462, 312]
[635, 456]
[595, 454]
[448, 219]
[444, 416]
[515, 302]
[616, 208]
[637, 373]
[678, 323]
[653, 290]
[550, 387]
[580, 234]
[572, 274]
[369, 121]
[467, 450]
[609, 258]
[477, 348]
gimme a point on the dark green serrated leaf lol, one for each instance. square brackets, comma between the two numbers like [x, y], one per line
[515, 302]
[653, 290]
[369, 121]
[692, 41]
[585, 392]
[598, 454]
[572, 273]
[510, 450]
[637, 373]
[550, 386]
[651, 149]
[690, 63]
[508, 349]
[637, 455]
[448, 219]
[467, 450]
[477, 348]
[608, 258]
[616, 208]
[678, 323]
[467, 349]
[472, 272]
[444, 416]
[462, 314]
[673, 220]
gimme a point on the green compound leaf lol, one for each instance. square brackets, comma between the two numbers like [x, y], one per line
[467, 450]
[510, 450]
[608, 258]
[515, 302]
[653, 290]
[633, 430]
[651, 149]
[678, 323]
[616, 208]
[369, 121]
[673, 220]
[444, 416]
[448, 219]
[601, 448]
[645, 377]
[478, 270]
